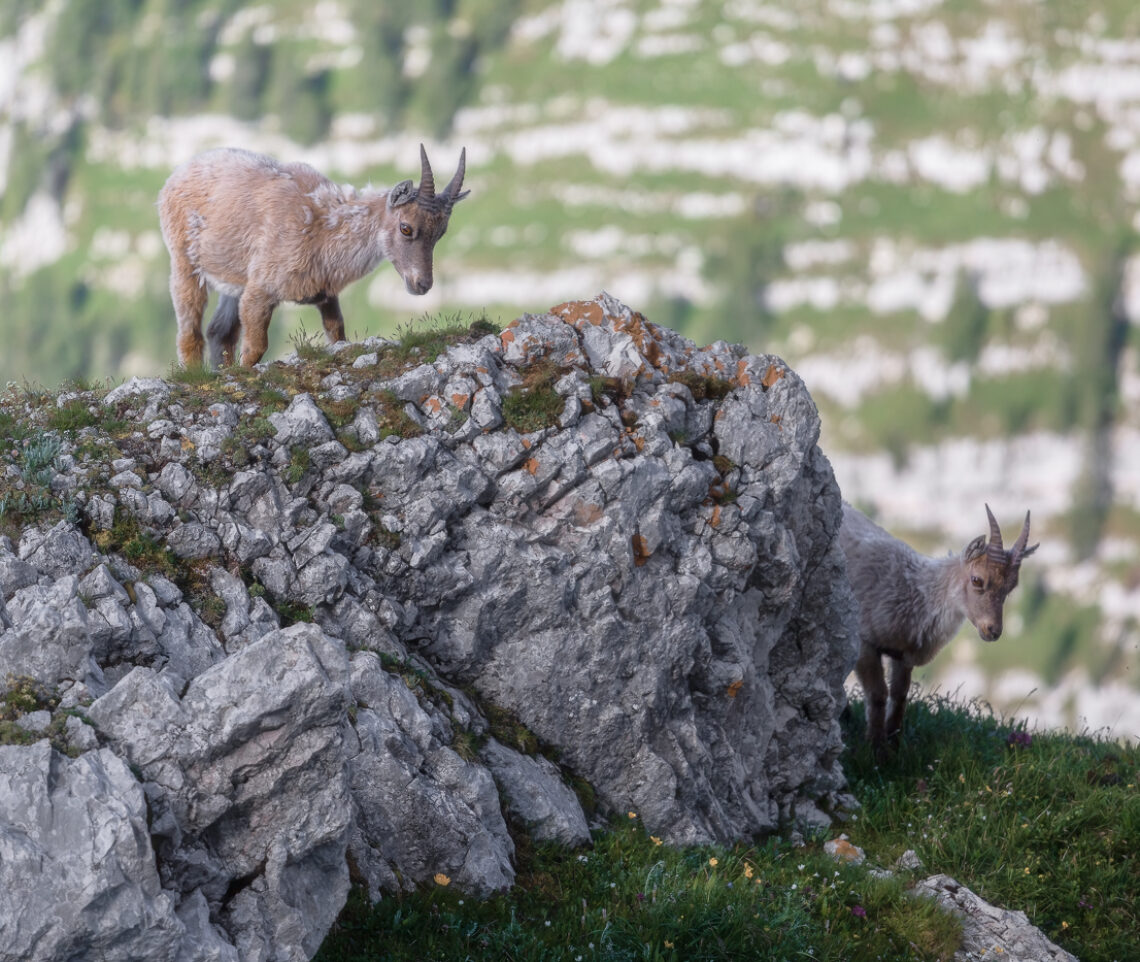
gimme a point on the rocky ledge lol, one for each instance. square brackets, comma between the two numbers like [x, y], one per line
[346, 617]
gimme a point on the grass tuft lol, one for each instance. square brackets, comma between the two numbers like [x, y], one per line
[534, 404]
[1038, 821]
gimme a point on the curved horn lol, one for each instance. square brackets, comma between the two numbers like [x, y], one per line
[994, 550]
[452, 191]
[427, 179]
[1018, 549]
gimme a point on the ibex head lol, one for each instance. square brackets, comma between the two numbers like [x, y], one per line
[991, 573]
[417, 219]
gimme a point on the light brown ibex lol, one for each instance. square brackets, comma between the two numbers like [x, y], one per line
[910, 606]
[261, 232]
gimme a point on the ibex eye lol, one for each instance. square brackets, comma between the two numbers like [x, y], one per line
[977, 582]
[405, 230]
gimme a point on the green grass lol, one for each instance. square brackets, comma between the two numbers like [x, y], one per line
[629, 897]
[1038, 822]
[1045, 823]
[136, 544]
[20, 695]
[27, 496]
[534, 404]
[430, 336]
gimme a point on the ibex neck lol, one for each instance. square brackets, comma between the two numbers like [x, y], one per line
[353, 239]
[941, 581]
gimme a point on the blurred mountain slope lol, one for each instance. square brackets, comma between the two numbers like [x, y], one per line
[929, 208]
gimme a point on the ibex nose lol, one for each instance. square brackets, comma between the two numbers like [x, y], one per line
[418, 285]
[989, 632]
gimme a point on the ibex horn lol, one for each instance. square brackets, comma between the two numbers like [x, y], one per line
[1018, 548]
[427, 180]
[994, 550]
[456, 184]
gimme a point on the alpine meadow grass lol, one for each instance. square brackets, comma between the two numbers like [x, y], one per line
[1042, 822]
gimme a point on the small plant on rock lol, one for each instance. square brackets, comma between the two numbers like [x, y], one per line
[534, 404]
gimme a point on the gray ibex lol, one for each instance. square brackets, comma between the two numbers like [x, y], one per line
[262, 232]
[910, 605]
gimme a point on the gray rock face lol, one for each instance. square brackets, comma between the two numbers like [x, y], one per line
[623, 545]
[422, 808]
[249, 780]
[989, 931]
[535, 793]
[89, 886]
[50, 638]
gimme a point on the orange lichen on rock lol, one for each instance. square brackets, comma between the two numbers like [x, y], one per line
[573, 312]
[532, 465]
[771, 376]
[842, 850]
[734, 689]
[641, 550]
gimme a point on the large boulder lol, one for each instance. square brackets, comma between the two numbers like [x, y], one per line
[360, 629]
[247, 780]
[78, 877]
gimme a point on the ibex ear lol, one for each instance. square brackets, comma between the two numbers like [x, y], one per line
[975, 549]
[401, 194]
[461, 196]
[1026, 552]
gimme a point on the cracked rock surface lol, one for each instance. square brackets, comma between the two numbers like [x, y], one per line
[989, 931]
[334, 612]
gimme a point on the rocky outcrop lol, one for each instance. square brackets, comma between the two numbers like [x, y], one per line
[334, 615]
[989, 931]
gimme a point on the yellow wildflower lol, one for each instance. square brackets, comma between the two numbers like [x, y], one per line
[668, 944]
[633, 814]
[748, 871]
[654, 839]
[713, 862]
[441, 879]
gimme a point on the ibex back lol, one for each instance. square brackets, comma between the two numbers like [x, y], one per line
[910, 605]
[261, 232]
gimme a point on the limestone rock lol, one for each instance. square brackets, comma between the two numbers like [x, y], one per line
[301, 423]
[422, 809]
[989, 931]
[50, 639]
[536, 794]
[624, 544]
[246, 778]
[77, 873]
[135, 386]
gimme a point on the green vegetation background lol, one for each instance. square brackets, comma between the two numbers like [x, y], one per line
[117, 67]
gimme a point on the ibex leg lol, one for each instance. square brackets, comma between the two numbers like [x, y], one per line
[332, 318]
[189, 297]
[223, 331]
[869, 669]
[256, 310]
[900, 688]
